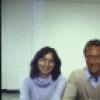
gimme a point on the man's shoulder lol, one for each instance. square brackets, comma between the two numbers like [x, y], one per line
[78, 74]
[80, 71]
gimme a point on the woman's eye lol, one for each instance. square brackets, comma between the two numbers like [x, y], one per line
[51, 61]
[42, 59]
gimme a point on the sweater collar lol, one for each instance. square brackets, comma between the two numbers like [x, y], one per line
[41, 82]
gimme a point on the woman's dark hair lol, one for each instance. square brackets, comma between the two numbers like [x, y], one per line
[34, 63]
[95, 42]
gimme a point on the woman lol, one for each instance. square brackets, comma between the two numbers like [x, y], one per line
[45, 81]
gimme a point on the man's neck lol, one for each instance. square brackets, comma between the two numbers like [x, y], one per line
[96, 75]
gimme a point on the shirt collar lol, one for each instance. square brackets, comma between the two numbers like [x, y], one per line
[89, 76]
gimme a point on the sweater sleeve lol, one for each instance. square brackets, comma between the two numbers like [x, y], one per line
[71, 89]
[59, 89]
[25, 89]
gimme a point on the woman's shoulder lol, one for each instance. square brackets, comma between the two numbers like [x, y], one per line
[61, 82]
[26, 80]
[62, 78]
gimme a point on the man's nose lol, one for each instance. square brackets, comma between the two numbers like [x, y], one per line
[92, 60]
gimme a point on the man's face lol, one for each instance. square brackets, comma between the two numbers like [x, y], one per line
[93, 58]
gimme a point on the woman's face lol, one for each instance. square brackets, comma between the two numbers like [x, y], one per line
[46, 65]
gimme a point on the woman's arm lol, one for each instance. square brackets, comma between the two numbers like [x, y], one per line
[59, 89]
[25, 89]
[71, 89]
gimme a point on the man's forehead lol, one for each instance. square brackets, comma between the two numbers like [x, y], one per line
[93, 49]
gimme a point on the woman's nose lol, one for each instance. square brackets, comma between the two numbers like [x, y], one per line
[46, 63]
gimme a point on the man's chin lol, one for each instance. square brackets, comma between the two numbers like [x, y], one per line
[94, 71]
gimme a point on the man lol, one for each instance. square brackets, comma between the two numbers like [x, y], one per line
[84, 84]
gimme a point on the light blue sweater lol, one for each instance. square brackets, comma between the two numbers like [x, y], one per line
[42, 89]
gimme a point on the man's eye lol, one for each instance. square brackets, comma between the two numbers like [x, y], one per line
[87, 56]
[98, 56]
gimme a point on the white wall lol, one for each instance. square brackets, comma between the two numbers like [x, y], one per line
[65, 26]
[16, 41]
[68, 26]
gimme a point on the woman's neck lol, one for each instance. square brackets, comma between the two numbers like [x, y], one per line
[44, 76]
